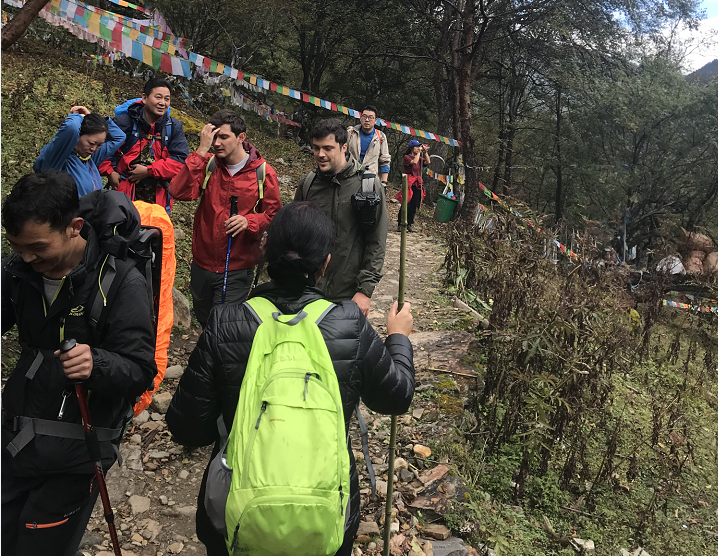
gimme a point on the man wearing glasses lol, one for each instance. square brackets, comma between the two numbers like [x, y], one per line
[368, 145]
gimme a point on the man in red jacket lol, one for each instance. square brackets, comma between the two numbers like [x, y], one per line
[236, 168]
[155, 148]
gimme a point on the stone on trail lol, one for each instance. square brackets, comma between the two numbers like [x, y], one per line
[450, 547]
[139, 504]
[422, 451]
[174, 372]
[368, 528]
[417, 413]
[161, 402]
[183, 474]
[405, 475]
[400, 463]
[142, 417]
[182, 314]
[179, 234]
[110, 553]
[438, 472]
[175, 548]
[187, 510]
[381, 487]
[436, 531]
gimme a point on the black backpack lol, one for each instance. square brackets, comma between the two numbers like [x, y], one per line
[126, 244]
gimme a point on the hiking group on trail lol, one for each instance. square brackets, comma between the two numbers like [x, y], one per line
[278, 370]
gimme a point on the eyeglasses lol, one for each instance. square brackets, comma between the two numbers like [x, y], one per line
[366, 117]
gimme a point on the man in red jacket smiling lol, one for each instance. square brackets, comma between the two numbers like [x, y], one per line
[238, 169]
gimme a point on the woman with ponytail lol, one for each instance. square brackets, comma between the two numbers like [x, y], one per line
[379, 373]
[82, 143]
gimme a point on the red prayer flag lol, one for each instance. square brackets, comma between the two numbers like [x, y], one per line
[166, 63]
[305, 97]
[206, 62]
[272, 86]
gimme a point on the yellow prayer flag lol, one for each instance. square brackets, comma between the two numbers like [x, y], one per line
[147, 54]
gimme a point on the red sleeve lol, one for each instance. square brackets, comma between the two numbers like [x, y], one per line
[270, 204]
[187, 184]
[165, 169]
[105, 168]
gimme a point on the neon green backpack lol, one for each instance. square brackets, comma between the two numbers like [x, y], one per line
[280, 485]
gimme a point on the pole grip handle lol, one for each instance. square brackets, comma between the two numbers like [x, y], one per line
[233, 207]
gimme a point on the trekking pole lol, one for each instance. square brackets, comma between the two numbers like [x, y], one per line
[93, 447]
[392, 438]
[232, 212]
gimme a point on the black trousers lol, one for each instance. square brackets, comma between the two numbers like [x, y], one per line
[214, 542]
[46, 516]
[412, 206]
[206, 288]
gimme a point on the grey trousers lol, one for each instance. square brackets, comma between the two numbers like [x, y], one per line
[206, 288]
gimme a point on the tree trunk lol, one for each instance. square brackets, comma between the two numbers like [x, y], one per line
[19, 24]
[558, 209]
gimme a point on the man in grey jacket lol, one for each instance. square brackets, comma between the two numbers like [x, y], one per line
[358, 257]
[369, 146]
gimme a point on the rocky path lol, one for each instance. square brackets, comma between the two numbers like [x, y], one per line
[154, 494]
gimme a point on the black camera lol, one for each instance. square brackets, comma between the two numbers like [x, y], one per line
[366, 205]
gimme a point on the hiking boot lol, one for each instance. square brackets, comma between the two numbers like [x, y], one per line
[410, 228]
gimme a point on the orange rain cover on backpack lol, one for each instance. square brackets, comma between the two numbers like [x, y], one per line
[156, 215]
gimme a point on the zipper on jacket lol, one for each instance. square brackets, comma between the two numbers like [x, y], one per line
[234, 539]
[306, 383]
[65, 394]
[341, 499]
[264, 408]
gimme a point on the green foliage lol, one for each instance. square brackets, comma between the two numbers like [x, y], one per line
[608, 431]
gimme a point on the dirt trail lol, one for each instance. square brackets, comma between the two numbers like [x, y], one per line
[154, 494]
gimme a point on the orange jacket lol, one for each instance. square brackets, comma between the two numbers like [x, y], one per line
[155, 215]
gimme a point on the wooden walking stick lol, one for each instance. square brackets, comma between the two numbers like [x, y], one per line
[392, 438]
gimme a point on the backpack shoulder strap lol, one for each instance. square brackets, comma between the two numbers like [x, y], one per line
[104, 284]
[261, 176]
[318, 309]
[307, 184]
[211, 165]
[367, 182]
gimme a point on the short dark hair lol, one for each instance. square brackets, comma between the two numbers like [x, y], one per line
[226, 116]
[93, 123]
[298, 241]
[371, 108]
[155, 83]
[330, 126]
[49, 197]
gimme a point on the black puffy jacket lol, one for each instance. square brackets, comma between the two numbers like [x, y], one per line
[380, 373]
[122, 350]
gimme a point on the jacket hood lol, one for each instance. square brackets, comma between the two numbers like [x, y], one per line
[114, 219]
[137, 113]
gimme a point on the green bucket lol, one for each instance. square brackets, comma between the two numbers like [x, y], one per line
[444, 208]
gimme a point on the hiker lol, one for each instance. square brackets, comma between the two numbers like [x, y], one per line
[361, 228]
[416, 157]
[83, 142]
[155, 148]
[152, 214]
[298, 251]
[49, 486]
[368, 144]
[239, 196]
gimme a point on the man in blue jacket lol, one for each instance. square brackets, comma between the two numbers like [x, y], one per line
[82, 143]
